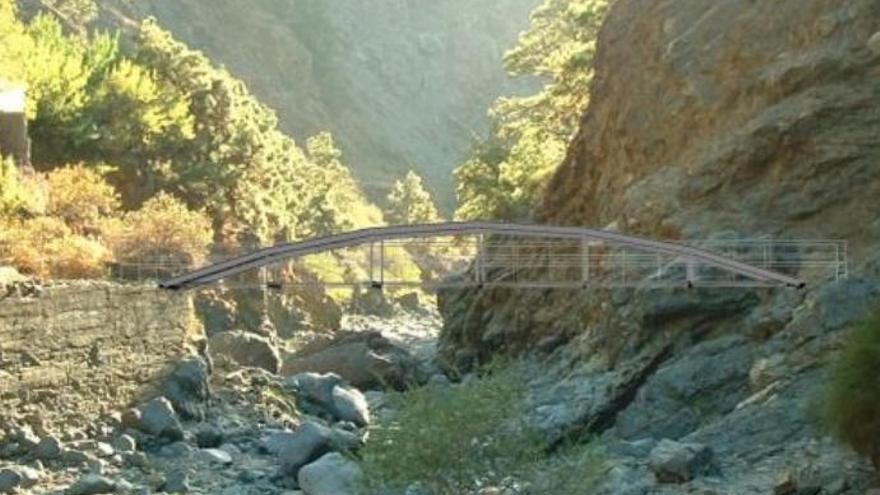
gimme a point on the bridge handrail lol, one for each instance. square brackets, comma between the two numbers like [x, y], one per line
[277, 253]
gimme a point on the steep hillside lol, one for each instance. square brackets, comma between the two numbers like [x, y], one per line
[729, 118]
[750, 116]
[402, 84]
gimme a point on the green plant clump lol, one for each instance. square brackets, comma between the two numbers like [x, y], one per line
[851, 405]
[456, 440]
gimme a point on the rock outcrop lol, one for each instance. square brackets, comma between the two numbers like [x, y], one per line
[744, 118]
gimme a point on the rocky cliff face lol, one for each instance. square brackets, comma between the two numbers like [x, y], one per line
[750, 116]
[402, 84]
[731, 117]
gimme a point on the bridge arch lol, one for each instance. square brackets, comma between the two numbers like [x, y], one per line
[689, 256]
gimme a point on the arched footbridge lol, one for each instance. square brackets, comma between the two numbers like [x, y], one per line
[481, 254]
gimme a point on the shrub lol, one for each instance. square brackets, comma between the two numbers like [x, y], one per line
[81, 197]
[46, 247]
[455, 440]
[20, 194]
[851, 405]
[162, 231]
[451, 440]
[78, 257]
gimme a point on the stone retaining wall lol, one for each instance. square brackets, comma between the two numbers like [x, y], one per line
[78, 350]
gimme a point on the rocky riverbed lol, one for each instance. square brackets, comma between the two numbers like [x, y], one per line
[726, 416]
[218, 426]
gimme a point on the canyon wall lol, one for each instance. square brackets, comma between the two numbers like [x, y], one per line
[81, 349]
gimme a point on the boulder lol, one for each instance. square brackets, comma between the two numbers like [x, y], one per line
[365, 359]
[350, 405]
[316, 388]
[326, 395]
[91, 484]
[309, 442]
[674, 462]
[341, 440]
[245, 349]
[188, 389]
[157, 418]
[332, 474]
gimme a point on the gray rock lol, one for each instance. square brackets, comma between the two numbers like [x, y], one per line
[213, 456]
[176, 482]
[157, 418]
[24, 436]
[350, 405]
[245, 349]
[187, 388]
[309, 442]
[316, 388]
[209, 437]
[674, 462]
[709, 379]
[874, 43]
[366, 360]
[135, 459]
[28, 477]
[848, 301]
[124, 444]
[10, 480]
[176, 449]
[73, 458]
[332, 474]
[91, 484]
[49, 448]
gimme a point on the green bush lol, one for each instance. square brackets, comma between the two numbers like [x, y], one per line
[851, 406]
[454, 440]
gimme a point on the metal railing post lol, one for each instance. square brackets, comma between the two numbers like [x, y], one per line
[585, 262]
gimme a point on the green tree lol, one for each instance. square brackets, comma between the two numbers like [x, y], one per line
[535, 130]
[409, 202]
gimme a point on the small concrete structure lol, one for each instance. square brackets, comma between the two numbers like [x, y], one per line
[14, 140]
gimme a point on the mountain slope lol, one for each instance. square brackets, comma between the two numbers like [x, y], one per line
[401, 84]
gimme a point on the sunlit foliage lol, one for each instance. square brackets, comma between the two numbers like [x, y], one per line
[81, 198]
[409, 202]
[191, 150]
[162, 231]
[532, 132]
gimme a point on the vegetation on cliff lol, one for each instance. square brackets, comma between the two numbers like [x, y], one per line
[508, 172]
[851, 406]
